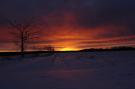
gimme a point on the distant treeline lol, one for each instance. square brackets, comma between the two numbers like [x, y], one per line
[47, 53]
[120, 48]
[26, 53]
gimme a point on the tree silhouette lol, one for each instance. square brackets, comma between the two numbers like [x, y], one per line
[23, 34]
[49, 48]
[44, 48]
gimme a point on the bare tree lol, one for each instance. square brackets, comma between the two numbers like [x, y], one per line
[44, 48]
[49, 48]
[23, 34]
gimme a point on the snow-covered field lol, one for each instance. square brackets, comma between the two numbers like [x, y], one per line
[84, 70]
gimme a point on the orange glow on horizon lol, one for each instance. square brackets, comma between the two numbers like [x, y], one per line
[68, 49]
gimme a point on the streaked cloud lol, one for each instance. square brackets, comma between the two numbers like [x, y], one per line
[76, 23]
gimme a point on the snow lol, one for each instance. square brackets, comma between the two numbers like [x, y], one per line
[76, 70]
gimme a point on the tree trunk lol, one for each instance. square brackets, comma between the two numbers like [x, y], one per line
[22, 44]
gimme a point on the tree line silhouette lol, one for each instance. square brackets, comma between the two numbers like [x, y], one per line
[116, 48]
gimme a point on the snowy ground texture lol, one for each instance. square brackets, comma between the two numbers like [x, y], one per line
[84, 70]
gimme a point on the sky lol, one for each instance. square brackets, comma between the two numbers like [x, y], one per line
[71, 24]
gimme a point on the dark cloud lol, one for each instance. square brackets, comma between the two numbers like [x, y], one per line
[108, 12]
[89, 12]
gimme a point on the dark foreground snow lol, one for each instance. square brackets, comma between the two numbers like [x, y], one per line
[86, 70]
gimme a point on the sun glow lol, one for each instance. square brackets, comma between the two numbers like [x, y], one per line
[68, 49]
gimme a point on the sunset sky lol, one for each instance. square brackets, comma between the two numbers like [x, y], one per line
[71, 24]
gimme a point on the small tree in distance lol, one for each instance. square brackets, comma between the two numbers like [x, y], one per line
[45, 48]
[49, 48]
